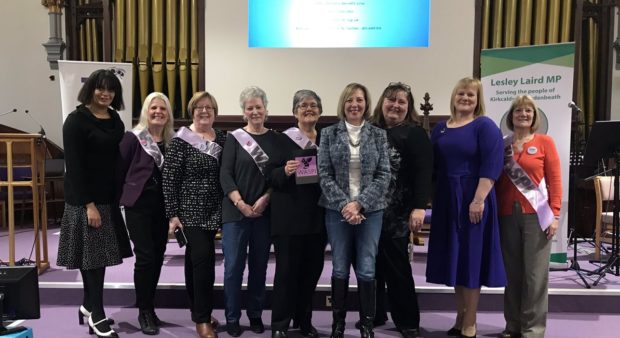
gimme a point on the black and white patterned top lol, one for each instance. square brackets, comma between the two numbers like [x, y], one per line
[411, 165]
[191, 184]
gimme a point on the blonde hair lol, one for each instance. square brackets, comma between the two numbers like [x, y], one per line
[465, 83]
[346, 93]
[143, 122]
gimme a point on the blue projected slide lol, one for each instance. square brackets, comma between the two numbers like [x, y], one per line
[333, 23]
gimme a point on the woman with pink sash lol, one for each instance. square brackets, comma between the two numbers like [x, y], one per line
[194, 203]
[245, 179]
[529, 194]
[139, 173]
[297, 222]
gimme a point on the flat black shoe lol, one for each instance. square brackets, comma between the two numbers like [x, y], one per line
[464, 336]
[508, 334]
[409, 333]
[256, 325]
[278, 334]
[454, 332]
[375, 323]
[147, 322]
[233, 329]
[309, 332]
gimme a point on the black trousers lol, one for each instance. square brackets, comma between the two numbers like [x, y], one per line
[200, 272]
[148, 230]
[299, 263]
[394, 270]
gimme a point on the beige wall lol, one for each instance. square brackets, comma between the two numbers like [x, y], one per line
[25, 72]
[230, 65]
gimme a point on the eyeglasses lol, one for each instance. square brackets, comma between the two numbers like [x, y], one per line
[207, 108]
[404, 86]
[306, 106]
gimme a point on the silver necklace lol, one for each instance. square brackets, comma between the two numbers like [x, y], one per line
[356, 144]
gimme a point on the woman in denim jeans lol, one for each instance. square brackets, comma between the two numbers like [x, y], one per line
[244, 176]
[355, 172]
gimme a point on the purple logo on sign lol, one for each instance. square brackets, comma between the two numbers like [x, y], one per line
[307, 167]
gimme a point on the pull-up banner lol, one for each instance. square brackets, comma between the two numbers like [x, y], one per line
[73, 74]
[546, 74]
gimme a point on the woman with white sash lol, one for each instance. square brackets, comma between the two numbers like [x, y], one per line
[529, 195]
[297, 222]
[244, 176]
[194, 203]
[140, 164]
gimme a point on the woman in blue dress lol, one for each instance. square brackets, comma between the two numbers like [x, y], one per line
[464, 246]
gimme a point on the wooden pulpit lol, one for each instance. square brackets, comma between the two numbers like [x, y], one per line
[26, 151]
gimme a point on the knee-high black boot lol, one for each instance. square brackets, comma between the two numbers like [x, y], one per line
[366, 291]
[340, 288]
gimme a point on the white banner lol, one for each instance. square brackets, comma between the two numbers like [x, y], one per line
[546, 74]
[72, 75]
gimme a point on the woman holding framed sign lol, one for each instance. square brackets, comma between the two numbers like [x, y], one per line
[297, 222]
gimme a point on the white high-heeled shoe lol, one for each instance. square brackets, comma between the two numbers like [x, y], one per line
[92, 328]
[83, 313]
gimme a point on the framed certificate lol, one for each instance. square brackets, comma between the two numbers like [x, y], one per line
[308, 171]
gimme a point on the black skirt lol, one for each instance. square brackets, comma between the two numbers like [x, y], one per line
[84, 247]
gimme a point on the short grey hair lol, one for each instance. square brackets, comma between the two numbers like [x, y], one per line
[303, 94]
[252, 92]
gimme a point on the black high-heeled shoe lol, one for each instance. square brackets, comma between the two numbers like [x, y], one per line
[101, 328]
[83, 313]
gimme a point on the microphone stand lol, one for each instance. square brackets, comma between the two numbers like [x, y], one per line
[575, 163]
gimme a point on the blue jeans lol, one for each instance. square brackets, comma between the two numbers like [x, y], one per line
[236, 237]
[347, 240]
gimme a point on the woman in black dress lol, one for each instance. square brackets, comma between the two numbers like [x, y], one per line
[411, 163]
[194, 203]
[92, 235]
[297, 222]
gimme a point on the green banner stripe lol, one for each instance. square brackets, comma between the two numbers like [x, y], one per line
[559, 257]
[564, 61]
[551, 54]
[493, 65]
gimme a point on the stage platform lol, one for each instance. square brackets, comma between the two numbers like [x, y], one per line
[574, 309]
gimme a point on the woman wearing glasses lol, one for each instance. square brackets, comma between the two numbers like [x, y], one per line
[194, 203]
[355, 172]
[297, 222]
[411, 163]
[245, 180]
[530, 197]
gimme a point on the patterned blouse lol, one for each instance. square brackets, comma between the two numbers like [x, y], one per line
[191, 184]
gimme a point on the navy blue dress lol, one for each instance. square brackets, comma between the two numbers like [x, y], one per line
[462, 253]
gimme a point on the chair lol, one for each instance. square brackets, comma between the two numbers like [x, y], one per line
[603, 228]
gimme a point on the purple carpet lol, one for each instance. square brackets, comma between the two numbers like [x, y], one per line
[574, 310]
